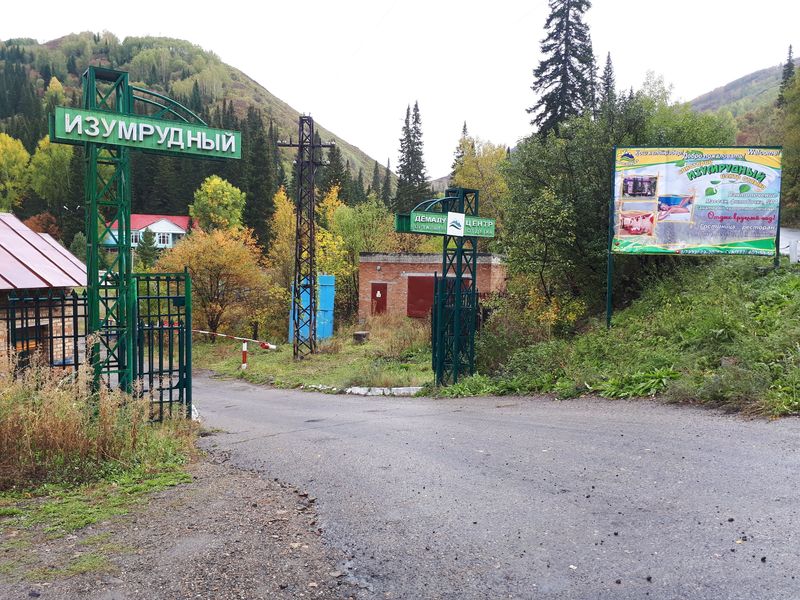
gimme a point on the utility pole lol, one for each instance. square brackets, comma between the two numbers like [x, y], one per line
[304, 289]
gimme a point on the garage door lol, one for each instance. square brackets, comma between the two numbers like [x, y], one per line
[420, 296]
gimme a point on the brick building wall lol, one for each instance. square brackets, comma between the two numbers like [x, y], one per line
[394, 270]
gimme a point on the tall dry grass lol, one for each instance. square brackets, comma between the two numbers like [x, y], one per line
[55, 429]
[397, 334]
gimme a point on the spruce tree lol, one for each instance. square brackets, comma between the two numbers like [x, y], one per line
[196, 101]
[590, 102]
[358, 195]
[375, 184]
[458, 155]
[788, 73]
[608, 92]
[562, 76]
[412, 181]
[333, 173]
[259, 178]
[346, 190]
[146, 250]
[386, 187]
[78, 246]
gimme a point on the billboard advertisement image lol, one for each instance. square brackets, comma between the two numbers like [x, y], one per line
[696, 200]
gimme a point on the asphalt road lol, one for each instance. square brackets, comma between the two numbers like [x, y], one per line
[530, 498]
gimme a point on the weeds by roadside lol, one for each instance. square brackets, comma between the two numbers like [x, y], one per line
[54, 429]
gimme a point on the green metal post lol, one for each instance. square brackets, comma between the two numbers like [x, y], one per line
[776, 262]
[455, 309]
[610, 258]
[108, 201]
[187, 290]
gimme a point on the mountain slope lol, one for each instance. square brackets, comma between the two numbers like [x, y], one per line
[743, 94]
[174, 67]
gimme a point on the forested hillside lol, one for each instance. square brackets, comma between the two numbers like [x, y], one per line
[744, 94]
[35, 77]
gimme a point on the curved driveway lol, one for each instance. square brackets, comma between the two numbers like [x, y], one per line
[530, 498]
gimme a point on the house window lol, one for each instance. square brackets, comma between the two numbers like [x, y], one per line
[163, 239]
[134, 237]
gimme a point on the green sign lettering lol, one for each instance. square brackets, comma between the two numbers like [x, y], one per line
[75, 125]
[437, 223]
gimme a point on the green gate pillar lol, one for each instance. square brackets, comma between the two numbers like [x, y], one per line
[108, 176]
[456, 296]
[455, 299]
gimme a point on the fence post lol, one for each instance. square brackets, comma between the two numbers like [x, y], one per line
[187, 290]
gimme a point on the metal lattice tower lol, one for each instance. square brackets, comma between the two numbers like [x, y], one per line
[456, 296]
[304, 290]
[108, 174]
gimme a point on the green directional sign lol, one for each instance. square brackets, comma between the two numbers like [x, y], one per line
[75, 126]
[450, 223]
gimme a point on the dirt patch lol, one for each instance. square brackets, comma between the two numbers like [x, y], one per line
[227, 535]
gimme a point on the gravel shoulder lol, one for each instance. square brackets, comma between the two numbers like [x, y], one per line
[229, 534]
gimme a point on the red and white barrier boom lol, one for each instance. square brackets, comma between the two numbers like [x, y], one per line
[264, 345]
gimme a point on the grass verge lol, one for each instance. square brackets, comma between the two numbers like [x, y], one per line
[397, 354]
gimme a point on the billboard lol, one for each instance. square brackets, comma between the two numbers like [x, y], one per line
[696, 200]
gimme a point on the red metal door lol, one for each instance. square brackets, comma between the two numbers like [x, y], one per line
[378, 298]
[420, 296]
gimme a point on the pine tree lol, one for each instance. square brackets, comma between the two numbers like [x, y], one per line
[562, 77]
[386, 186]
[412, 184]
[788, 73]
[146, 250]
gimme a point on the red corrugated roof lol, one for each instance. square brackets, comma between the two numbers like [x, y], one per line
[139, 222]
[30, 260]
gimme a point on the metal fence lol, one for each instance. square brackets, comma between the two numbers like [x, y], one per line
[50, 324]
[163, 343]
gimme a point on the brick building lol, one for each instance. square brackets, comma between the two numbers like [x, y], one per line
[402, 284]
[38, 310]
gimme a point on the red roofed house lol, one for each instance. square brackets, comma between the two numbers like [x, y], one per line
[168, 229]
[38, 311]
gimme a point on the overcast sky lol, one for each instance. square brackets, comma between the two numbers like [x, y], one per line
[355, 65]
